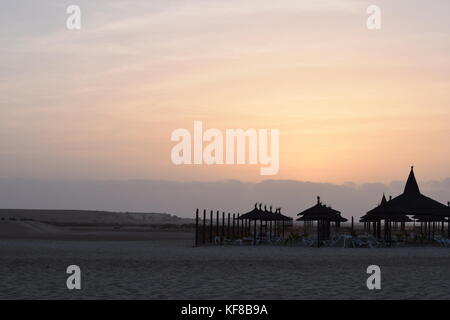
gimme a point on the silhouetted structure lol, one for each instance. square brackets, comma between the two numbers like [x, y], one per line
[411, 202]
[324, 216]
[390, 216]
[259, 224]
[265, 225]
[269, 221]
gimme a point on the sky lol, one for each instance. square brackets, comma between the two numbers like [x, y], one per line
[182, 198]
[352, 105]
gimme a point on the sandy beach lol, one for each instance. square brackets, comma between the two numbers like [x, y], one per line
[165, 265]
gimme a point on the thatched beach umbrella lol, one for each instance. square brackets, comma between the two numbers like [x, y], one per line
[323, 215]
[281, 217]
[387, 213]
[410, 202]
[253, 215]
[264, 216]
[423, 208]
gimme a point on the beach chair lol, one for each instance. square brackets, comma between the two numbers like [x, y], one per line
[308, 242]
[447, 242]
[227, 241]
[247, 241]
[279, 240]
[338, 242]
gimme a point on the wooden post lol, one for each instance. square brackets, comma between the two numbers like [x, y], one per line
[318, 233]
[204, 226]
[234, 231]
[239, 226]
[353, 225]
[379, 229]
[228, 226]
[275, 229]
[270, 230]
[196, 228]
[223, 225]
[448, 228]
[260, 230]
[434, 226]
[217, 224]
[211, 227]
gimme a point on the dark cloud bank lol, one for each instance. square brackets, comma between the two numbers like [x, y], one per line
[181, 198]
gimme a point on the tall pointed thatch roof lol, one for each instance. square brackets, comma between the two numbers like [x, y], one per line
[410, 202]
[413, 202]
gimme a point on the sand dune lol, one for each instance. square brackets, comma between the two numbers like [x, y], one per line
[18, 228]
[81, 217]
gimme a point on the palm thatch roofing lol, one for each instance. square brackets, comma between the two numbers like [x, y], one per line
[410, 202]
[280, 216]
[385, 211]
[413, 202]
[338, 218]
[430, 218]
[320, 212]
[260, 214]
[254, 214]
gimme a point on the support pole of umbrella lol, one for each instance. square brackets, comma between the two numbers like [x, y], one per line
[434, 226]
[260, 230]
[238, 226]
[254, 232]
[448, 228]
[270, 230]
[353, 225]
[318, 233]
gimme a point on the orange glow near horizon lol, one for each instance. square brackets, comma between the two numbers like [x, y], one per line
[351, 104]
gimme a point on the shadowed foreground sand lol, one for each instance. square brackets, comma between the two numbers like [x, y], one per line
[166, 266]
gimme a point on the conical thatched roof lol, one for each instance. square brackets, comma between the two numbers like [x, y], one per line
[412, 202]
